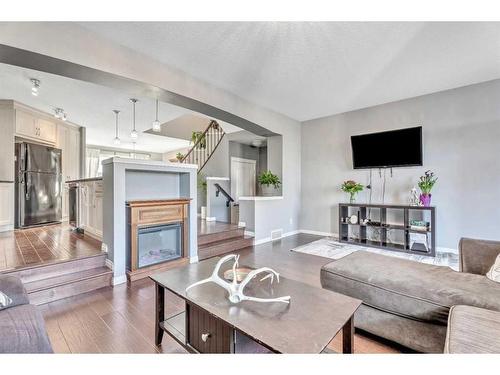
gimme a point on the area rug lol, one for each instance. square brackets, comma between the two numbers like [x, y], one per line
[329, 247]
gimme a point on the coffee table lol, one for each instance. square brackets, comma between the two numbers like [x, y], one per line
[212, 324]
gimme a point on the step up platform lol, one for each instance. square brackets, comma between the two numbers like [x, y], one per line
[50, 282]
[216, 238]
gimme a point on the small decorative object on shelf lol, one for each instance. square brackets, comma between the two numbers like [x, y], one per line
[425, 184]
[270, 182]
[353, 219]
[414, 198]
[351, 187]
[179, 157]
[234, 288]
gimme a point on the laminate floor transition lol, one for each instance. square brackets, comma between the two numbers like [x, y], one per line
[120, 319]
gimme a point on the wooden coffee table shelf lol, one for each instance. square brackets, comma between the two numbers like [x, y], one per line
[211, 324]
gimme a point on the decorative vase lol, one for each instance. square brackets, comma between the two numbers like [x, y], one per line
[425, 199]
[352, 197]
[268, 190]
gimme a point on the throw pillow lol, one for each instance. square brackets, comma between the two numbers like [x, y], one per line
[494, 272]
[5, 301]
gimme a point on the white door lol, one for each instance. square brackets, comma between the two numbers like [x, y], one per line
[242, 178]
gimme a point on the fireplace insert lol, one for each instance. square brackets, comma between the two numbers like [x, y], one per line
[158, 244]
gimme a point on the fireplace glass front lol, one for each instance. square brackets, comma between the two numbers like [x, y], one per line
[158, 244]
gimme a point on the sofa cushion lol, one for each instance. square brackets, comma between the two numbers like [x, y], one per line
[407, 288]
[13, 288]
[22, 330]
[473, 330]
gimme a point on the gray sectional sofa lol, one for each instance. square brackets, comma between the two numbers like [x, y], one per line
[22, 328]
[409, 302]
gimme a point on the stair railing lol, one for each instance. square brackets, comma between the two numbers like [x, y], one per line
[219, 190]
[205, 145]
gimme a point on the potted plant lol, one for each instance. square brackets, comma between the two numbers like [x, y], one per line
[269, 182]
[179, 156]
[425, 184]
[351, 187]
[199, 136]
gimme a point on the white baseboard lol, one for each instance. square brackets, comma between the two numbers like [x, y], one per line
[117, 280]
[109, 263]
[268, 239]
[193, 259]
[249, 233]
[210, 218]
[318, 233]
[6, 227]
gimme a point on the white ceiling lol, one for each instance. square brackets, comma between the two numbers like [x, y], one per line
[91, 106]
[311, 70]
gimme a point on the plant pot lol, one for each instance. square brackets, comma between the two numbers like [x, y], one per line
[425, 199]
[268, 190]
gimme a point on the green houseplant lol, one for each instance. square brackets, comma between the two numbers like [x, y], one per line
[269, 182]
[199, 136]
[179, 156]
[351, 187]
[426, 183]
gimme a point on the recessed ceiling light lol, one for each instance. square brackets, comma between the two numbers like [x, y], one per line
[35, 86]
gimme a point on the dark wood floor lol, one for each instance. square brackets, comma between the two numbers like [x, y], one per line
[46, 244]
[121, 319]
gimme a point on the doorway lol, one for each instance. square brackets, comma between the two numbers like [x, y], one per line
[243, 176]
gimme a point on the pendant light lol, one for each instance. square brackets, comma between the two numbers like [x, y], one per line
[116, 141]
[156, 122]
[133, 133]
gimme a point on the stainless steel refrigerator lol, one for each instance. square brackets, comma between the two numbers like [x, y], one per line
[38, 185]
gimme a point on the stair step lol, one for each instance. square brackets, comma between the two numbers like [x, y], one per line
[67, 285]
[205, 239]
[49, 270]
[224, 246]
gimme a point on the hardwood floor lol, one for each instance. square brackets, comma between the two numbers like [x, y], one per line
[42, 245]
[120, 319]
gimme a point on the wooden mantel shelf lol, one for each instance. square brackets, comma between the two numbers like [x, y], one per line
[156, 202]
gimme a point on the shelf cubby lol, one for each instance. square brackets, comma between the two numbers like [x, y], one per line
[398, 225]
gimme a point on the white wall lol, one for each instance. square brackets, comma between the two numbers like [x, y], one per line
[461, 131]
[71, 42]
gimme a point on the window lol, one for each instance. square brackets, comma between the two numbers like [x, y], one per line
[95, 157]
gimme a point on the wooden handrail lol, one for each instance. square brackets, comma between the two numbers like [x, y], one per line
[209, 149]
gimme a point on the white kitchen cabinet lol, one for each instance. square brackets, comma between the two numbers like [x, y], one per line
[29, 125]
[91, 208]
[6, 206]
[7, 141]
[68, 140]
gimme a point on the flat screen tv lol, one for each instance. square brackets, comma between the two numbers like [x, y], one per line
[395, 148]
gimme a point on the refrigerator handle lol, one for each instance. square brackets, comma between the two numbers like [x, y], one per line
[26, 187]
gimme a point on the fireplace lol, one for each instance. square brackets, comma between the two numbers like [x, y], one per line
[159, 243]
[157, 236]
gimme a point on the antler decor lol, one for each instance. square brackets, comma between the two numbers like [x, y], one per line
[235, 290]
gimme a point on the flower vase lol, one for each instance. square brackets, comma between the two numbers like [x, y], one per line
[352, 198]
[425, 199]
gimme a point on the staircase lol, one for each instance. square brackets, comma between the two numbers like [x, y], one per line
[50, 282]
[216, 238]
[205, 145]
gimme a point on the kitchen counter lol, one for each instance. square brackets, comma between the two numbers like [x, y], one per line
[85, 180]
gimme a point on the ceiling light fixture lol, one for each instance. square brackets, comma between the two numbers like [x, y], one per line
[133, 133]
[156, 123]
[35, 86]
[60, 114]
[116, 141]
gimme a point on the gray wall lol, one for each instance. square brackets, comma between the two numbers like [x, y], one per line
[461, 131]
[150, 185]
[216, 206]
